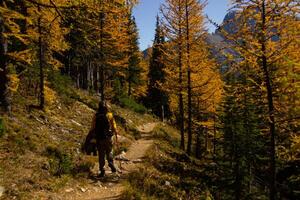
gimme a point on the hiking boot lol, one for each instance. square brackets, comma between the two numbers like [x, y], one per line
[102, 174]
[113, 168]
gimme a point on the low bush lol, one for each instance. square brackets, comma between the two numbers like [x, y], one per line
[131, 194]
[63, 86]
[82, 167]
[60, 163]
[130, 103]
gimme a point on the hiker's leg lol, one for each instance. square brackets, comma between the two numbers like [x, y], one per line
[109, 155]
[101, 156]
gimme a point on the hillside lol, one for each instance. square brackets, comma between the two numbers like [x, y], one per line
[41, 156]
[40, 152]
[201, 116]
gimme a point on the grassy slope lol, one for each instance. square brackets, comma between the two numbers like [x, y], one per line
[40, 151]
[168, 173]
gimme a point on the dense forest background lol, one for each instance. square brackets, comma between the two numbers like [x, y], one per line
[233, 94]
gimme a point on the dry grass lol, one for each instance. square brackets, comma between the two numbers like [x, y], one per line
[168, 173]
[26, 170]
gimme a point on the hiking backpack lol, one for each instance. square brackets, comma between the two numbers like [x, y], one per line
[103, 128]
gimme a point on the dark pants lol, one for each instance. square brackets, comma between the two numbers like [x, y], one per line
[105, 149]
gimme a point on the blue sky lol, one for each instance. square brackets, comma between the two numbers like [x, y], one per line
[145, 14]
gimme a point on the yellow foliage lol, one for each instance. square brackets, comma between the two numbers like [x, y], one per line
[22, 56]
[206, 82]
[50, 95]
[295, 145]
[14, 82]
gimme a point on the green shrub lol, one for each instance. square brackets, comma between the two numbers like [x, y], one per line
[164, 135]
[131, 194]
[63, 86]
[130, 103]
[82, 167]
[90, 102]
[59, 183]
[21, 142]
[2, 129]
[60, 163]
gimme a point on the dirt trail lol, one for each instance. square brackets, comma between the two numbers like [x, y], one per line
[110, 187]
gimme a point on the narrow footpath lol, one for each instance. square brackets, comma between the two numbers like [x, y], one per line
[111, 187]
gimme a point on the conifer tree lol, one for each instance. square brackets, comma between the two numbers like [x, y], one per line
[184, 26]
[157, 98]
[134, 69]
[173, 24]
[263, 39]
[48, 35]
[4, 79]
[104, 32]
[194, 30]
[12, 51]
[242, 139]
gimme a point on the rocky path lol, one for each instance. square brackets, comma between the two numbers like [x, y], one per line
[110, 187]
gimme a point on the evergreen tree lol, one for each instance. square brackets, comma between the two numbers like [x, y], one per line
[265, 42]
[4, 79]
[187, 53]
[48, 35]
[173, 13]
[13, 49]
[157, 98]
[264, 38]
[100, 44]
[242, 142]
[134, 70]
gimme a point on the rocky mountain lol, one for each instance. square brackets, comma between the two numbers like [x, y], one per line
[219, 45]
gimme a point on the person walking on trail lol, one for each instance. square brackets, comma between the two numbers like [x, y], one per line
[105, 127]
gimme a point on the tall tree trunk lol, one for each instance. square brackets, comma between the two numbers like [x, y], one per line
[237, 178]
[101, 70]
[41, 62]
[162, 113]
[267, 80]
[4, 79]
[205, 131]
[214, 139]
[88, 75]
[272, 131]
[189, 145]
[96, 78]
[181, 108]
[92, 75]
[198, 142]
[101, 79]
[250, 178]
[83, 71]
[129, 86]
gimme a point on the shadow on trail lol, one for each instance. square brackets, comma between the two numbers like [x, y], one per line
[109, 198]
[108, 178]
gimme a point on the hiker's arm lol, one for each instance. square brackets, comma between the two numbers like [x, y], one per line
[114, 127]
